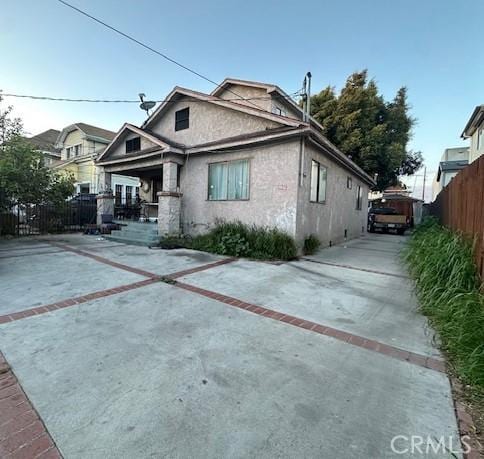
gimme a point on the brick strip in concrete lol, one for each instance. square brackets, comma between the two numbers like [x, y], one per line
[22, 433]
[197, 269]
[349, 338]
[106, 261]
[366, 270]
[112, 291]
[74, 301]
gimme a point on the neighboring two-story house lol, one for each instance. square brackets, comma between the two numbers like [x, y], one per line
[244, 152]
[474, 131]
[45, 143]
[79, 145]
[453, 160]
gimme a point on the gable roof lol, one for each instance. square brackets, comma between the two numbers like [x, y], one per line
[91, 132]
[158, 140]
[179, 92]
[475, 120]
[45, 141]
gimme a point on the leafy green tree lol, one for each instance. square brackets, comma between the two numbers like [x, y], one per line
[25, 180]
[9, 127]
[374, 133]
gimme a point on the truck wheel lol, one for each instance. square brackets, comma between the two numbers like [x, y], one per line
[371, 229]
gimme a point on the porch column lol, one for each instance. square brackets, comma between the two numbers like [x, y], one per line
[169, 202]
[105, 198]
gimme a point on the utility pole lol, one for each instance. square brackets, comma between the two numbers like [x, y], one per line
[423, 189]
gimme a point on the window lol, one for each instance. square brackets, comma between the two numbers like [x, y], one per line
[319, 175]
[136, 191]
[349, 183]
[84, 188]
[76, 150]
[278, 111]
[228, 180]
[480, 138]
[68, 152]
[118, 194]
[133, 145]
[359, 197]
[182, 119]
[129, 194]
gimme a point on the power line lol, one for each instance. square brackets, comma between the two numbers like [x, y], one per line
[149, 48]
[133, 101]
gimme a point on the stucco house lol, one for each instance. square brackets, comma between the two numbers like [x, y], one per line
[79, 145]
[242, 152]
[474, 131]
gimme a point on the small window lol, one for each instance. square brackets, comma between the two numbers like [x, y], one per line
[182, 119]
[136, 190]
[349, 183]
[133, 145]
[278, 111]
[359, 197]
[228, 181]
[68, 152]
[319, 175]
[84, 188]
[76, 150]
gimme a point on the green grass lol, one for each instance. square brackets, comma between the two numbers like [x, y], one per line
[449, 290]
[240, 240]
[311, 244]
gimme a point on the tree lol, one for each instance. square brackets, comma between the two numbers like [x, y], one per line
[25, 180]
[9, 127]
[372, 132]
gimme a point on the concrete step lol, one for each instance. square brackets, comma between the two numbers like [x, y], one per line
[136, 233]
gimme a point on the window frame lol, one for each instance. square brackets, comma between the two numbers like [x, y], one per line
[227, 163]
[130, 142]
[118, 197]
[480, 138]
[349, 183]
[182, 120]
[359, 197]
[318, 181]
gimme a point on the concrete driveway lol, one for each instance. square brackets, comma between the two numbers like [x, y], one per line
[127, 352]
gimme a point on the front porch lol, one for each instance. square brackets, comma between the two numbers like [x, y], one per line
[158, 200]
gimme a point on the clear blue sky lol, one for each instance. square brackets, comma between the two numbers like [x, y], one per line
[434, 47]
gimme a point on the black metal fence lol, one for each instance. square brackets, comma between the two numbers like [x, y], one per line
[34, 219]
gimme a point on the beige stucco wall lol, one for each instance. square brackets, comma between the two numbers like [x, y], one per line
[328, 221]
[272, 190]
[208, 123]
[247, 92]
[120, 150]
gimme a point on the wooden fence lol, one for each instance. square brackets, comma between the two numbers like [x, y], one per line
[460, 206]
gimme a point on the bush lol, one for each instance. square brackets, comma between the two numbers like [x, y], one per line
[240, 240]
[311, 244]
[448, 288]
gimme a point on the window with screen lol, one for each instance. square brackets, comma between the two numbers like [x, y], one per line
[319, 175]
[182, 118]
[228, 181]
[133, 145]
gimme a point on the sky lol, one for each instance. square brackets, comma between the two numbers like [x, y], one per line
[434, 48]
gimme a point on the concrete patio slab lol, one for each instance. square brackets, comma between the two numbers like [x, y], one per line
[161, 262]
[371, 305]
[161, 372]
[37, 279]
